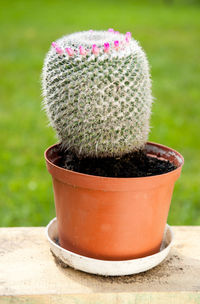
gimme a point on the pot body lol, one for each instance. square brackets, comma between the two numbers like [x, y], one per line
[112, 218]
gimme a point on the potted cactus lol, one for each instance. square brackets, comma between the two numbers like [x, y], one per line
[97, 95]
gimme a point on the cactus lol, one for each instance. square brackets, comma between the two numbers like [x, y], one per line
[97, 93]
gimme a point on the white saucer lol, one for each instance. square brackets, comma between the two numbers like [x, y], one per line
[107, 268]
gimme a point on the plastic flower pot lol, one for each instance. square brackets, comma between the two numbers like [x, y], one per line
[112, 218]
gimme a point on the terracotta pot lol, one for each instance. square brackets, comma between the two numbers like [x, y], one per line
[112, 218]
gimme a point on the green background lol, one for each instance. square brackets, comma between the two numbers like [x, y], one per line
[169, 33]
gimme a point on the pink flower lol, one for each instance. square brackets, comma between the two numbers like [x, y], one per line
[54, 44]
[59, 50]
[117, 32]
[111, 30]
[128, 36]
[116, 44]
[70, 52]
[95, 49]
[82, 50]
[106, 47]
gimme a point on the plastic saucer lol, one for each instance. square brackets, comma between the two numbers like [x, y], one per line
[107, 268]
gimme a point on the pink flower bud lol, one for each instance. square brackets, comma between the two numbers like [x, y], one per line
[82, 50]
[128, 36]
[116, 44]
[54, 44]
[111, 30]
[69, 51]
[59, 50]
[95, 49]
[106, 47]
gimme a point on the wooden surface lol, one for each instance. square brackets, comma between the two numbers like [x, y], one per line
[29, 274]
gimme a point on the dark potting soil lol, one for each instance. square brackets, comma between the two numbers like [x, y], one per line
[136, 164]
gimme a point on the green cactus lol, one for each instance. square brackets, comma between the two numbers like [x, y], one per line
[97, 93]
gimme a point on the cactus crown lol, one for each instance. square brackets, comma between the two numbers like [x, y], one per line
[97, 93]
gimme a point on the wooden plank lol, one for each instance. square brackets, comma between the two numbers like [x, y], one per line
[29, 274]
[113, 298]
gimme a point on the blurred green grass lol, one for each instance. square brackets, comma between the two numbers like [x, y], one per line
[169, 33]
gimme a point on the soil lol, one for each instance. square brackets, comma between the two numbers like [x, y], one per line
[136, 164]
[160, 273]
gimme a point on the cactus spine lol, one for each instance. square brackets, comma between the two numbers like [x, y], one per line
[97, 93]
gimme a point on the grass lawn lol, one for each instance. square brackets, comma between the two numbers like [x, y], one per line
[169, 33]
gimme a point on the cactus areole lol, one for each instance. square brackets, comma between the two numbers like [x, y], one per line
[97, 93]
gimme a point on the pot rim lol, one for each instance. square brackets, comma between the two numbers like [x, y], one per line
[179, 157]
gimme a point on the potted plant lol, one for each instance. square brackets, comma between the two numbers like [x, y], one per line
[112, 188]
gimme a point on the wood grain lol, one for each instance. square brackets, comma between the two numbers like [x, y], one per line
[30, 274]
